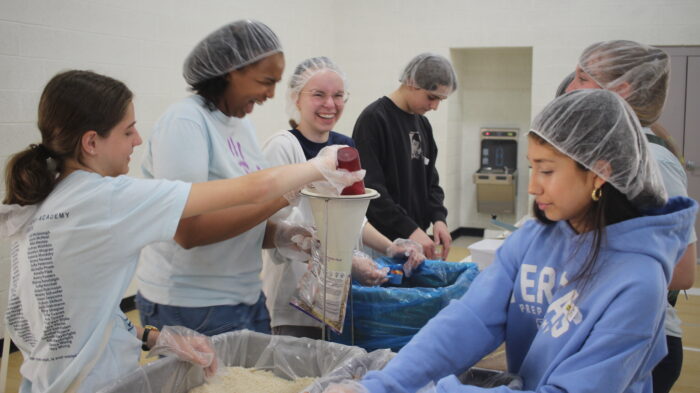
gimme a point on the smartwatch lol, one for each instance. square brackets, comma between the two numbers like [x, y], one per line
[144, 337]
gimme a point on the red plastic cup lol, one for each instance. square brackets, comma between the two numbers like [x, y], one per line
[349, 159]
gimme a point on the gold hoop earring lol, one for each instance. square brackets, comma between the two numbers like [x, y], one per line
[596, 194]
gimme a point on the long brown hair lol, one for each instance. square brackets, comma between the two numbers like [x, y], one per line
[644, 61]
[611, 60]
[72, 103]
[612, 207]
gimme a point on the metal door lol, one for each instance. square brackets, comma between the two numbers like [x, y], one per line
[681, 116]
[691, 147]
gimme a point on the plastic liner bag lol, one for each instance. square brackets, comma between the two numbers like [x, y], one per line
[475, 376]
[354, 369]
[357, 367]
[323, 290]
[287, 357]
[388, 317]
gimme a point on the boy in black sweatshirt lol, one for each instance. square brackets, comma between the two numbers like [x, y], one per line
[398, 151]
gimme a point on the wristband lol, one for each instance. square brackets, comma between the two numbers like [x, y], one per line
[144, 337]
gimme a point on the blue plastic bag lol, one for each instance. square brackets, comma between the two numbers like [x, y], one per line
[388, 317]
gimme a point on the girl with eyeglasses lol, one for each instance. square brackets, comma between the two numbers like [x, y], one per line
[316, 98]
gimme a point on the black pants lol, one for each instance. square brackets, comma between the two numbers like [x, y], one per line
[669, 368]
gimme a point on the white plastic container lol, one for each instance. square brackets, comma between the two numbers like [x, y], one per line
[483, 252]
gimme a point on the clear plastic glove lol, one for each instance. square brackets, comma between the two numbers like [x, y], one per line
[293, 241]
[366, 271]
[292, 197]
[411, 250]
[187, 345]
[346, 387]
[326, 161]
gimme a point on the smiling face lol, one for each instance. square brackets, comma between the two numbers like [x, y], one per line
[421, 101]
[562, 190]
[250, 85]
[321, 102]
[113, 152]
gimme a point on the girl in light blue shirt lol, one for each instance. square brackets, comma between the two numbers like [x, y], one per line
[76, 226]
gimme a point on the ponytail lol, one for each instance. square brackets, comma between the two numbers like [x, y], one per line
[29, 177]
[72, 103]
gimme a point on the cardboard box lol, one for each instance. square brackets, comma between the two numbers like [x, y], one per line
[483, 252]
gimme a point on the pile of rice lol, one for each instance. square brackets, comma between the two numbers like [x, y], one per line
[250, 380]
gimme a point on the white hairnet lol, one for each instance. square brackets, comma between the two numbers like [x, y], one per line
[599, 130]
[429, 71]
[229, 48]
[301, 76]
[644, 69]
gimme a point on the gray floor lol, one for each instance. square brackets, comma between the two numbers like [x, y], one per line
[465, 241]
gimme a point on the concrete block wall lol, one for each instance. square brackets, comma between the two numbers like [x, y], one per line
[144, 43]
[557, 32]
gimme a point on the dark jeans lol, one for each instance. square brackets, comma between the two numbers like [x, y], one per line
[206, 320]
[669, 368]
[298, 331]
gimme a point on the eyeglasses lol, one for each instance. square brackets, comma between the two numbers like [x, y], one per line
[320, 97]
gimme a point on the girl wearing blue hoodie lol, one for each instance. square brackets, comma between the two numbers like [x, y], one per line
[577, 295]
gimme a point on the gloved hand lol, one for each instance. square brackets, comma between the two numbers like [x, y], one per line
[292, 197]
[408, 249]
[366, 271]
[293, 241]
[348, 386]
[187, 345]
[326, 161]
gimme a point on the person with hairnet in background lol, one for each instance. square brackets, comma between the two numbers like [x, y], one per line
[398, 150]
[316, 97]
[208, 278]
[565, 290]
[640, 74]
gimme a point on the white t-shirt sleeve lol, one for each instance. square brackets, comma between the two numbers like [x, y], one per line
[675, 180]
[147, 211]
[281, 148]
[180, 151]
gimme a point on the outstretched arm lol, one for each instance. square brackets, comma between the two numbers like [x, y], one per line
[224, 224]
[257, 187]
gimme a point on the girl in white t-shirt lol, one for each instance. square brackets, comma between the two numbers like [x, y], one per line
[76, 226]
[316, 97]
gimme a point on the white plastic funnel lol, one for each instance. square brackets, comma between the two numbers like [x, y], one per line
[338, 221]
[323, 290]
